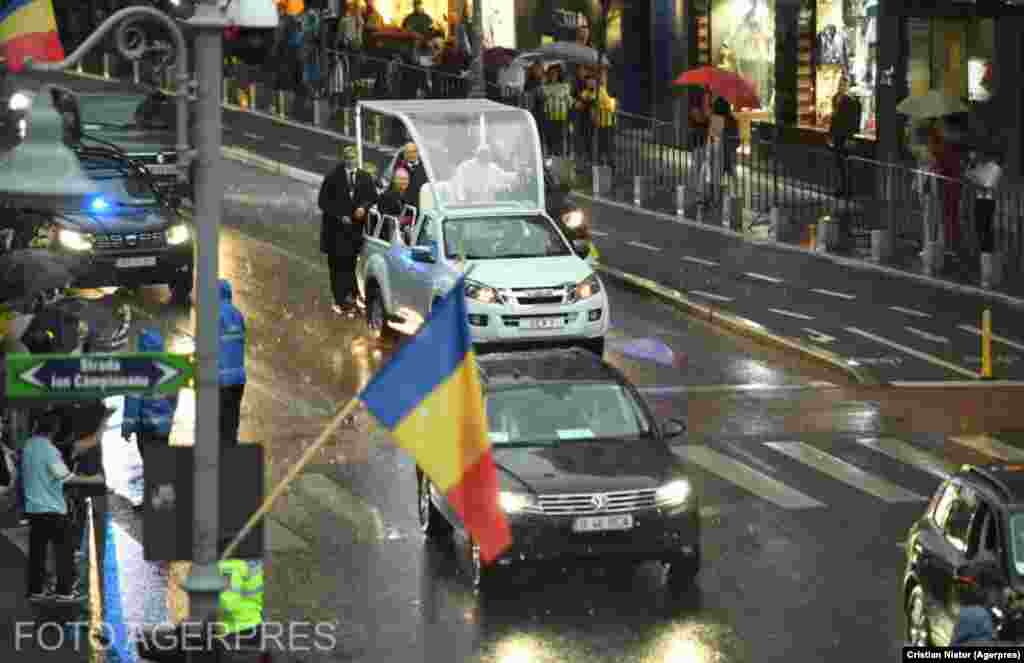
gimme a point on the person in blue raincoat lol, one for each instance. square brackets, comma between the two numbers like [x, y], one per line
[149, 418]
[231, 364]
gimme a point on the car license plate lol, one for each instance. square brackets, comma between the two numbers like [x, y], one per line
[603, 523]
[163, 170]
[146, 261]
[544, 323]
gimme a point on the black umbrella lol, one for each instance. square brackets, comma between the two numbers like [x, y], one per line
[27, 272]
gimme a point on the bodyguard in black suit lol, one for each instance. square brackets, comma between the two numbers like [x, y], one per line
[345, 196]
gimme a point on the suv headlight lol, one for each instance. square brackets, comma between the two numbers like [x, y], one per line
[484, 294]
[516, 502]
[74, 240]
[178, 234]
[19, 101]
[673, 493]
[573, 219]
[586, 288]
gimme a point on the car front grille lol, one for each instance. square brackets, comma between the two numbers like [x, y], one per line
[539, 296]
[585, 503]
[120, 241]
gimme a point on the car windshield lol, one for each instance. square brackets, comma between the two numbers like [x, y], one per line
[109, 110]
[1017, 538]
[118, 186]
[552, 412]
[495, 238]
[482, 159]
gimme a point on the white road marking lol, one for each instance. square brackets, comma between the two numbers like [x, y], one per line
[253, 136]
[990, 446]
[747, 478]
[326, 157]
[708, 295]
[790, 314]
[700, 261]
[598, 233]
[291, 147]
[911, 455]
[818, 337]
[915, 353]
[844, 472]
[19, 537]
[641, 245]
[762, 277]
[910, 311]
[833, 293]
[926, 336]
[999, 339]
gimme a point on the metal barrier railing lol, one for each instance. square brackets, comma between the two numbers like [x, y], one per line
[639, 159]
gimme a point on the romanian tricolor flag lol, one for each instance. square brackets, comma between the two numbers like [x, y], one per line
[28, 29]
[430, 398]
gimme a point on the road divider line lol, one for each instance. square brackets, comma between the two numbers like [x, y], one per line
[291, 146]
[700, 261]
[762, 277]
[924, 356]
[252, 136]
[911, 455]
[910, 311]
[754, 482]
[326, 157]
[791, 314]
[1016, 345]
[990, 446]
[844, 472]
[598, 233]
[833, 293]
[641, 245]
[920, 333]
[709, 295]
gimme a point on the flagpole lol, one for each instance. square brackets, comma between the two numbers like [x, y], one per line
[292, 473]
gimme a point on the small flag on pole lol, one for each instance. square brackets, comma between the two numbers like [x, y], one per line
[28, 29]
[430, 399]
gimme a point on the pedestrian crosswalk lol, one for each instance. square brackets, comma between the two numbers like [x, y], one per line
[888, 469]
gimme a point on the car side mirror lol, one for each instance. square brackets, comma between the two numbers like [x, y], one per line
[422, 254]
[673, 428]
[581, 247]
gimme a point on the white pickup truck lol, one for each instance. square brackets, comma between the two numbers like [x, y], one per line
[482, 216]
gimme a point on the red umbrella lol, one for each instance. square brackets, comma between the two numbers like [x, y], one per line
[737, 90]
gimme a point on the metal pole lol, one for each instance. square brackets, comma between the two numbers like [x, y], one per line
[204, 582]
[479, 90]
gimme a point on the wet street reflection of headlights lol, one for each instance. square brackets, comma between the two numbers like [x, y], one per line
[519, 649]
[682, 644]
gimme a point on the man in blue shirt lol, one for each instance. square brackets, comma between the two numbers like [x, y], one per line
[231, 365]
[45, 475]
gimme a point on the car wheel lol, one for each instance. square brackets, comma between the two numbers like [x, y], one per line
[683, 570]
[595, 345]
[377, 316]
[432, 523]
[918, 629]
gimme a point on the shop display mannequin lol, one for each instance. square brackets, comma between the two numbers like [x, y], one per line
[753, 41]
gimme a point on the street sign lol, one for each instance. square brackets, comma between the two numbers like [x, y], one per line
[71, 377]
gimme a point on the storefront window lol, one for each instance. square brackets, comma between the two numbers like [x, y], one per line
[845, 50]
[743, 41]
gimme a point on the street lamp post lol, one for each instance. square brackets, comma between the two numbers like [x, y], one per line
[479, 89]
[204, 582]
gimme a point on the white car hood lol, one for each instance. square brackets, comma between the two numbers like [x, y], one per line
[529, 272]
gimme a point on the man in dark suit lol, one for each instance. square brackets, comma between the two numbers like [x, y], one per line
[345, 196]
[417, 174]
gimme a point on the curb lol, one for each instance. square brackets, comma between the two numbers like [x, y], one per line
[958, 288]
[741, 325]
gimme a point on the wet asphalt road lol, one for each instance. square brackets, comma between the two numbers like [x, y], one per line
[802, 550]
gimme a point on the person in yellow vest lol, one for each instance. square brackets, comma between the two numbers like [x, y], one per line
[557, 97]
[238, 626]
[605, 114]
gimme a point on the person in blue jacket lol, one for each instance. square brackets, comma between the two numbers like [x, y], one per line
[231, 364]
[150, 418]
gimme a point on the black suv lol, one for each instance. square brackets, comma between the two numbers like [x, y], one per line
[975, 520]
[133, 235]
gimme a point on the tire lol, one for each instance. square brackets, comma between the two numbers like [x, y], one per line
[594, 345]
[918, 628]
[432, 523]
[377, 315]
[683, 570]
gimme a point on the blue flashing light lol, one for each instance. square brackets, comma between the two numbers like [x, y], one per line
[99, 205]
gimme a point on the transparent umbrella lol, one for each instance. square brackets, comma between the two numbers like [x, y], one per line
[27, 272]
[934, 104]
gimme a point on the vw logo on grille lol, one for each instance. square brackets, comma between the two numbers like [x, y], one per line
[599, 502]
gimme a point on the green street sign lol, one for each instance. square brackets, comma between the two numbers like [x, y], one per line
[71, 377]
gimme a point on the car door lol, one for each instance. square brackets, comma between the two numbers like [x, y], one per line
[984, 548]
[370, 247]
[420, 277]
[928, 543]
[952, 557]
